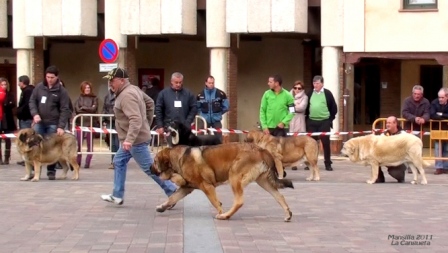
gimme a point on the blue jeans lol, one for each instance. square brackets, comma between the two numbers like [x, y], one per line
[142, 156]
[43, 129]
[25, 123]
[441, 164]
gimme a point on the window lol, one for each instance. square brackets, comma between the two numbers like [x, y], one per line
[419, 4]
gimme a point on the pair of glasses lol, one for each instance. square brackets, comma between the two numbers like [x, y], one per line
[297, 88]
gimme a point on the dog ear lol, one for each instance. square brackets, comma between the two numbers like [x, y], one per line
[23, 137]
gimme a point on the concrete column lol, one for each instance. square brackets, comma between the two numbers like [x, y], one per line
[218, 40]
[22, 43]
[218, 69]
[3, 19]
[112, 12]
[330, 72]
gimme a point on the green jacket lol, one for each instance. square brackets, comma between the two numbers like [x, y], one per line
[275, 109]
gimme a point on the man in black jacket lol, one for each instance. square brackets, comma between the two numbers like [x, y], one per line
[175, 103]
[23, 110]
[49, 106]
[320, 113]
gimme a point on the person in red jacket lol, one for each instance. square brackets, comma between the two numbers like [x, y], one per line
[3, 86]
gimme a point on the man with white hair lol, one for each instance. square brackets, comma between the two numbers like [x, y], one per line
[439, 111]
[131, 108]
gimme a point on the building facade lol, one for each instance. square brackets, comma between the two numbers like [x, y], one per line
[372, 50]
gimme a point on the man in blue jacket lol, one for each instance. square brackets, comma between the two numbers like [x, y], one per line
[175, 103]
[212, 104]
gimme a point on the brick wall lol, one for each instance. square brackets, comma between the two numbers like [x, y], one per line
[232, 88]
[341, 90]
[38, 61]
[131, 60]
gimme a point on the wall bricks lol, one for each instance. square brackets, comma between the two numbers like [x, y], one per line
[38, 61]
[131, 60]
[232, 92]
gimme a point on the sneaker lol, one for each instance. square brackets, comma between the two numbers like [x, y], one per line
[112, 199]
[111, 167]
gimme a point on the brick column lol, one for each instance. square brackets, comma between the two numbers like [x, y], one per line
[232, 90]
[131, 59]
[38, 61]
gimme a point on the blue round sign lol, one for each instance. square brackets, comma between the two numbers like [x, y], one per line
[108, 51]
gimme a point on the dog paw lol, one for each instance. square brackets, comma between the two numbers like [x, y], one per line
[424, 182]
[35, 180]
[221, 217]
[316, 179]
[160, 208]
[413, 182]
[309, 179]
[25, 178]
[62, 178]
[288, 218]
[370, 181]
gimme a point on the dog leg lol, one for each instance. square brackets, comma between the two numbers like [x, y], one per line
[75, 166]
[238, 200]
[174, 198]
[267, 186]
[279, 167]
[37, 170]
[375, 171]
[314, 173]
[415, 174]
[28, 172]
[210, 192]
[64, 170]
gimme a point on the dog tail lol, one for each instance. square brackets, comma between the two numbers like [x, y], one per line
[272, 172]
[426, 164]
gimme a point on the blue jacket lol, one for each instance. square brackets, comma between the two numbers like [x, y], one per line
[212, 104]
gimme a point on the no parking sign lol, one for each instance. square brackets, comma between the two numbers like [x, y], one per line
[108, 51]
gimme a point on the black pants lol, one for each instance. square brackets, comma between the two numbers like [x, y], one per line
[280, 132]
[397, 172]
[321, 126]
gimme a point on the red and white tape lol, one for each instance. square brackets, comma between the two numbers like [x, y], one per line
[228, 131]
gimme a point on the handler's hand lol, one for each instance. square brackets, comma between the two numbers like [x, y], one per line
[127, 145]
[266, 131]
[60, 131]
[281, 125]
[160, 130]
[36, 119]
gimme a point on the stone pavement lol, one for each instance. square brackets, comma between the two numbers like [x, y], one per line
[340, 213]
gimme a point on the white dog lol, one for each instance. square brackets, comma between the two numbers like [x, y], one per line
[393, 150]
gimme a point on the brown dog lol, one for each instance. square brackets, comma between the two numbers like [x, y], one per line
[288, 151]
[37, 151]
[207, 167]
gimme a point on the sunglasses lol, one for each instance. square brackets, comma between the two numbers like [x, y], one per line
[297, 88]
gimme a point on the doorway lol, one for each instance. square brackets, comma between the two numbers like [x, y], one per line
[431, 78]
[367, 95]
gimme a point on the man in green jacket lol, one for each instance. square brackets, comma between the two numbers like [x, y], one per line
[277, 108]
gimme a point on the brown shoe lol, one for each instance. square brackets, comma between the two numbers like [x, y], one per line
[438, 172]
[111, 167]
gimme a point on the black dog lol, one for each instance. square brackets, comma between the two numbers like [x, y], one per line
[182, 135]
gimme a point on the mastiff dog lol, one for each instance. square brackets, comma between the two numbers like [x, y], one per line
[37, 151]
[375, 150]
[207, 167]
[289, 151]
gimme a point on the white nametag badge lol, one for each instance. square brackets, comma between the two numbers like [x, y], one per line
[177, 103]
[43, 99]
[291, 109]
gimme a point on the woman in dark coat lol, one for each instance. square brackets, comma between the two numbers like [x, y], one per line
[8, 124]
